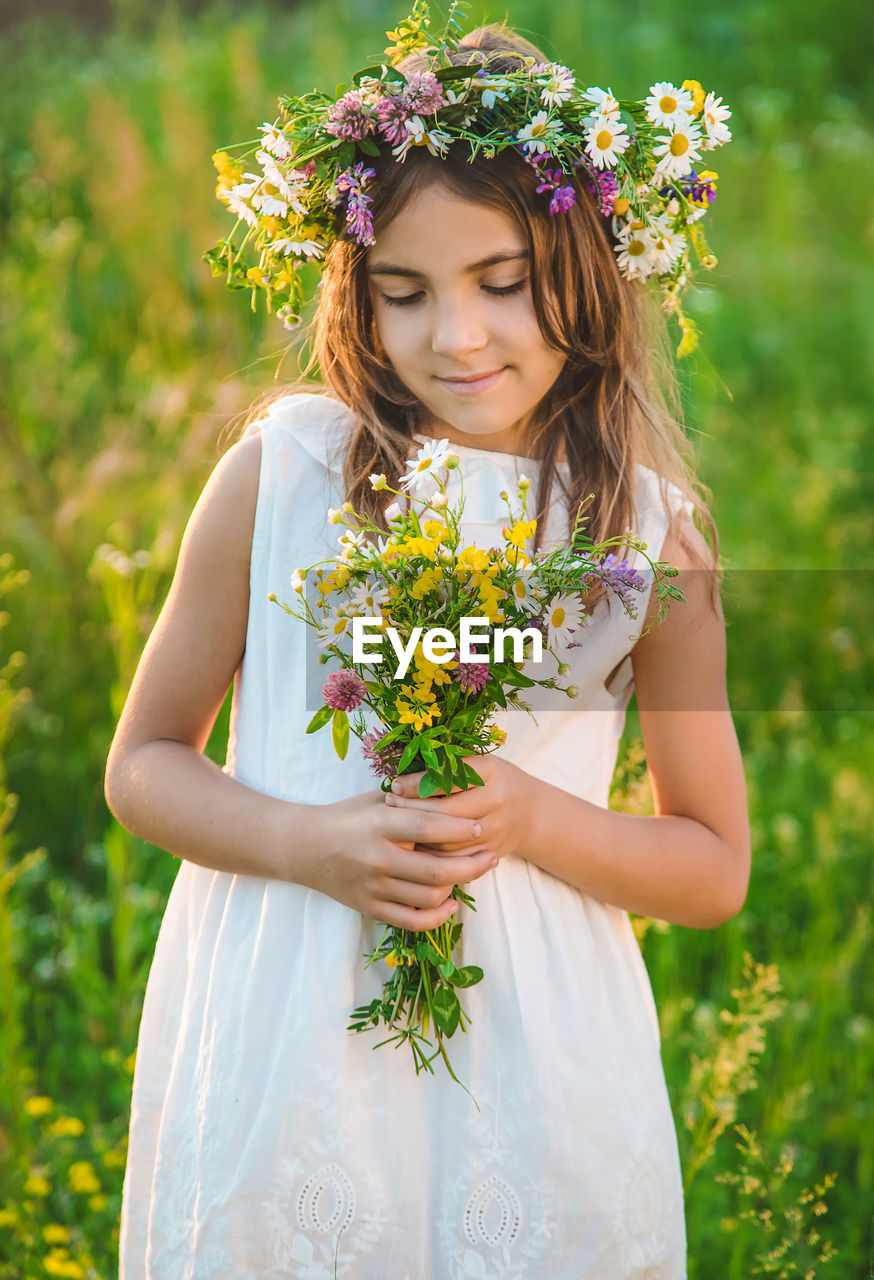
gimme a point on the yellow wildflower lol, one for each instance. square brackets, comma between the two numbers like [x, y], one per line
[391, 959]
[8, 1217]
[114, 1159]
[130, 1062]
[38, 1106]
[473, 558]
[521, 531]
[97, 1203]
[37, 1185]
[427, 581]
[436, 529]
[698, 95]
[56, 1266]
[255, 273]
[65, 1127]
[497, 735]
[415, 709]
[81, 1178]
[54, 1233]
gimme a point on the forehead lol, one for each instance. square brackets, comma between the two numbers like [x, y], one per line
[440, 229]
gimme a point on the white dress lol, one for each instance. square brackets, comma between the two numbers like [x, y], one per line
[268, 1141]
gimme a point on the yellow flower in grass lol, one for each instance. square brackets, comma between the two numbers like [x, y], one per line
[98, 1203]
[54, 1233]
[114, 1159]
[37, 1185]
[81, 1178]
[65, 1127]
[8, 1217]
[427, 547]
[38, 1106]
[63, 1266]
[416, 707]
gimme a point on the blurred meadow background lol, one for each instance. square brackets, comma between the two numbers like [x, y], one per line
[122, 366]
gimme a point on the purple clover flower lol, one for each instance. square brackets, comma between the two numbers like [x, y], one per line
[472, 676]
[349, 118]
[564, 198]
[383, 761]
[424, 93]
[393, 111]
[344, 690]
[351, 184]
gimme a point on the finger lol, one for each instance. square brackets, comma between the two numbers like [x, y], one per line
[416, 921]
[465, 804]
[407, 784]
[431, 871]
[425, 826]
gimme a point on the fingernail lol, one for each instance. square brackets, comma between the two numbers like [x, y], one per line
[477, 828]
[390, 800]
[396, 787]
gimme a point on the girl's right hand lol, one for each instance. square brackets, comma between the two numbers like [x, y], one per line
[364, 856]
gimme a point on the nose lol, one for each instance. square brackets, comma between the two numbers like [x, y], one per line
[458, 327]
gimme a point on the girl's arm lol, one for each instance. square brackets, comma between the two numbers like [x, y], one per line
[160, 785]
[689, 863]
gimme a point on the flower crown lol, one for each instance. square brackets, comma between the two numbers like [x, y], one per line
[635, 159]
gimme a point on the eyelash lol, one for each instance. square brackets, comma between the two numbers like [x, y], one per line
[492, 289]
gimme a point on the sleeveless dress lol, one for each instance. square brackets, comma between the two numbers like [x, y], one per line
[268, 1141]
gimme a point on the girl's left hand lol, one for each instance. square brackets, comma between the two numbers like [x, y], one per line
[503, 805]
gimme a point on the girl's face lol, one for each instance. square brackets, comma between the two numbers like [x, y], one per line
[453, 310]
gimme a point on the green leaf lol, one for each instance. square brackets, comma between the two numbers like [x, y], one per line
[429, 785]
[320, 719]
[368, 146]
[429, 755]
[469, 976]
[446, 1009]
[340, 90]
[447, 968]
[345, 154]
[410, 752]
[340, 733]
[472, 776]
[456, 73]
[498, 694]
[446, 777]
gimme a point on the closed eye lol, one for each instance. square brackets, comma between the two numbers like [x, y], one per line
[492, 289]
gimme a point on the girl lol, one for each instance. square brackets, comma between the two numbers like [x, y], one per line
[265, 1139]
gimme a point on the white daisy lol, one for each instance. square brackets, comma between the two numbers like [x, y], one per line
[559, 87]
[678, 150]
[538, 134]
[354, 538]
[278, 179]
[562, 618]
[668, 245]
[527, 594]
[305, 248]
[714, 115]
[368, 600]
[274, 141]
[494, 91]
[668, 105]
[436, 140]
[236, 199]
[336, 629]
[269, 205]
[431, 457]
[635, 251]
[603, 100]
[606, 140]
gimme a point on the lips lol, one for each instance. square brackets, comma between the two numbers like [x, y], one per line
[472, 382]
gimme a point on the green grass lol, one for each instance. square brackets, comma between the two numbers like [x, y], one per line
[123, 364]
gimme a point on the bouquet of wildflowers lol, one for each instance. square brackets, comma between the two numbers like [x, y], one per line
[435, 698]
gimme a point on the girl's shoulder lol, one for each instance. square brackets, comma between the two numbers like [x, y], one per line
[314, 420]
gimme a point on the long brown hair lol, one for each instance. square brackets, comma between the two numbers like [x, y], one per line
[615, 402]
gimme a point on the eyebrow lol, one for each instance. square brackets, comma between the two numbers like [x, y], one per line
[390, 269]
